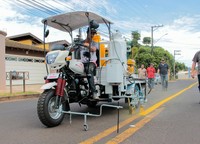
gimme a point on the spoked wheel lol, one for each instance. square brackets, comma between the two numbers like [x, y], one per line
[48, 113]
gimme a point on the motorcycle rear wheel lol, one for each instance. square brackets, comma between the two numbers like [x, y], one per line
[48, 114]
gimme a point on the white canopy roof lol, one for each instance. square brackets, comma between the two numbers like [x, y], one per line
[73, 20]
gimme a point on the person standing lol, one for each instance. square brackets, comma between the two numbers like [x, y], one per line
[196, 60]
[163, 69]
[151, 75]
[142, 72]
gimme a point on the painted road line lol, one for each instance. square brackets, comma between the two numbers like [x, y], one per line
[130, 131]
[127, 121]
[109, 131]
[157, 105]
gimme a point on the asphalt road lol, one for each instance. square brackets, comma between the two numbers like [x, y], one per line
[175, 121]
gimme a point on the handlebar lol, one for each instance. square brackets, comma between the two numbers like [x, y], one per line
[76, 45]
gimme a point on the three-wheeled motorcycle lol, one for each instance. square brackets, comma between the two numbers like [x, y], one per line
[66, 81]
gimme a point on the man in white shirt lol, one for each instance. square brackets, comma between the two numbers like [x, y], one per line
[142, 72]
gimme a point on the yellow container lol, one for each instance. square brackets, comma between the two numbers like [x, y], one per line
[103, 51]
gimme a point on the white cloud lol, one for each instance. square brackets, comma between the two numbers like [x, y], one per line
[183, 33]
[14, 23]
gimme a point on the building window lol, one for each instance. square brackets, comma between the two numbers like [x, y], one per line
[10, 58]
[25, 59]
[34, 43]
[38, 60]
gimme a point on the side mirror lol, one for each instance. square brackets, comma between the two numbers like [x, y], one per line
[46, 33]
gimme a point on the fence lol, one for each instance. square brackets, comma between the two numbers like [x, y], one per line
[17, 75]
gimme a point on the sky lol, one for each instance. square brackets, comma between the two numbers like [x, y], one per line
[180, 20]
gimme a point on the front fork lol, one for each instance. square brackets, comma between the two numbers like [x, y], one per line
[61, 82]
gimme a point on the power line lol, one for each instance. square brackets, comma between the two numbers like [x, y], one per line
[35, 3]
[59, 11]
[21, 7]
[45, 7]
[33, 7]
[63, 4]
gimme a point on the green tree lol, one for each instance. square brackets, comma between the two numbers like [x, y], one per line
[135, 37]
[179, 67]
[146, 40]
[143, 56]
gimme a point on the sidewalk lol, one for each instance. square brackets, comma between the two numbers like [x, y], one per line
[19, 88]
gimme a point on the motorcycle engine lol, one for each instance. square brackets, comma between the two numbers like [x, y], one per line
[83, 91]
[72, 93]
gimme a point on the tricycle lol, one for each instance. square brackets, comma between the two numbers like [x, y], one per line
[66, 81]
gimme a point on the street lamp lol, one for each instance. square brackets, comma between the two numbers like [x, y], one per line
[153, 28]
[176, 52]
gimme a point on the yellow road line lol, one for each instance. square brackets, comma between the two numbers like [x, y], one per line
[152, 108]
[130, 131]
[109, 131]
[127, 121]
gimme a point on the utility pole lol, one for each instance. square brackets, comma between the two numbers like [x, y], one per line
[176, 52]
[153, 28]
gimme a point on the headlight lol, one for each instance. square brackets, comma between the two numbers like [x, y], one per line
[50, 58]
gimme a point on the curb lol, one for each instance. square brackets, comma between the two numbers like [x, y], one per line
[9, 98]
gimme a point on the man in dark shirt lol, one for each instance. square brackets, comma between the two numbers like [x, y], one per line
[163, 71]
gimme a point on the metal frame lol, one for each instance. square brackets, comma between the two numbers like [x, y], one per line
[89, 114]
[59, 23]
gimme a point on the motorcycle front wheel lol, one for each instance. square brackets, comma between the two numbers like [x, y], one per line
[48, 113]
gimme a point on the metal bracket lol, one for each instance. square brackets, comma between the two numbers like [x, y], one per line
[89, 114]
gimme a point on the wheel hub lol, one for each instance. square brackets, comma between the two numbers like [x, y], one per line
[54, 112]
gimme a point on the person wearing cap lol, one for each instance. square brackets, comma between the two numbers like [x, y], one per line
[151, 75]
[89, 58]
[163, 69]
[196, 60]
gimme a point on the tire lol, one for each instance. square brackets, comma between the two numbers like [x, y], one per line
[47, 113]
